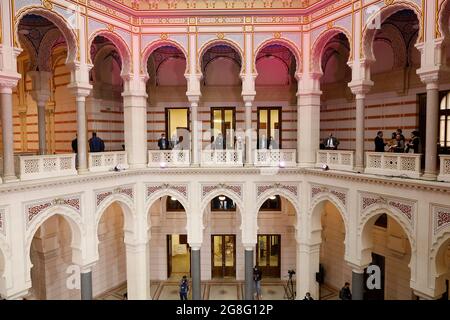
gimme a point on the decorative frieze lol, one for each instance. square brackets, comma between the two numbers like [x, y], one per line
[441, 219]
[234, 188]
[284, 186]
[35, 209]
[180, 188]
[407, 208]
[102, 195]
[340, 194]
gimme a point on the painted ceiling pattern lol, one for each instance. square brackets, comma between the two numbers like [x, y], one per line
[215, 4]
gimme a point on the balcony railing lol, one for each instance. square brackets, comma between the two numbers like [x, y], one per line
[396, 164]
[45, 166]
[168, 158]
[107, 161]
[336, 159]
[444, 172]
[275, 158]
[222, 158]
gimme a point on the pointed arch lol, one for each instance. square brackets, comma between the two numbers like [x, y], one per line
[320, 44]
[59, 21]
[285, 43]
[155, 45]
[170, 193]
[126, 205]
[70, 215]
[216, 42]
[443, 22]
[121, 46]
[368, 34]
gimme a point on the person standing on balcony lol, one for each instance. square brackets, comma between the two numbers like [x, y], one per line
[163, 143]
[75, 144]
[331, 143]
[413, 145]
[379, 142]
[96, 144]
[272, 143]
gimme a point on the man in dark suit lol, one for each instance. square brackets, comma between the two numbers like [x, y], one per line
[331, 143]
[96, 144]
[163, 143]
[379, 142]
[75, 145]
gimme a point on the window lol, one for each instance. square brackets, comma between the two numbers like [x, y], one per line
[444, 124]
[269, 128]
[223, 126]
[172, 204]
[382, 221]
[222, 203]
[272, 204]
[177, 124]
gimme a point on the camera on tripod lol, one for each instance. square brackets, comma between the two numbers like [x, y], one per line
[291, 273]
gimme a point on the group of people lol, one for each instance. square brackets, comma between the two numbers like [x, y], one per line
[96, 144]
[398, 143]
[175, 144]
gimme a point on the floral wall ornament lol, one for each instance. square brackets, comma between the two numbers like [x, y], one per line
[33, 210]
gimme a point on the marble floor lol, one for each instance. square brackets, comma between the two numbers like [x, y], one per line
[216, 290]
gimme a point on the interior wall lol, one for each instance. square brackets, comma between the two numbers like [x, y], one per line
[110, 270]
[51, 256]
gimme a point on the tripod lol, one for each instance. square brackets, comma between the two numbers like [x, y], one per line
[289, 291]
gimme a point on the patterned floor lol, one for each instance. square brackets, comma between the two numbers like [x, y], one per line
[215, 290]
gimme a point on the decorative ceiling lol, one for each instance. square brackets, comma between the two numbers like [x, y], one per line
[163, 5]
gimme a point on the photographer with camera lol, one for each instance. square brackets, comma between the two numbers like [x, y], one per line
[289, 289]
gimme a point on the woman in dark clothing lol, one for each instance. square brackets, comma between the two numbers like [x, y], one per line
[414, 142]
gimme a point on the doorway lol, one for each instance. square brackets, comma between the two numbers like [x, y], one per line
[268, 257]
[375, 294]
[223, 126]
[223, 256]
[178, 256]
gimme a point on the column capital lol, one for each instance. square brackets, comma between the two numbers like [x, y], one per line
[8, 81]
[193, 97]
[430, 76]
[249, 246]
[248, 99]
[195, 245]
[360, 87]
[80, 90]
[357, 268]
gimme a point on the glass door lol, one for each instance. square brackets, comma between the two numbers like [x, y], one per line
[223, 126]
[269, 128]
[223, 256]
[268, 257]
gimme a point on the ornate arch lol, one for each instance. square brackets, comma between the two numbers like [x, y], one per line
[443, 18]
[436, 271]
[216, 42]
[167, 192]
[72, 217]
[315, 216]
[59, 21]
[29, 48]
[283, 42]
[364, 240]
[320, 44]
[126, 205]
[121, 46]
[221, 191]
[396, 41]
[45, 49]
[368, 33]
[151, 47]
[5, 252]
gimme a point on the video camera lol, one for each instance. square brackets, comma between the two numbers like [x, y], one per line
[291, 273]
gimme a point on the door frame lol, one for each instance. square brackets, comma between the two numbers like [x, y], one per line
[169, 253]
[222, 118]
[223, 273]
[270, 272]
[268, 109]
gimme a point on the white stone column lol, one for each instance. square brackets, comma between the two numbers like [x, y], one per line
[432, 123]
[360, 87]
[7, 82]
[81, 91]
[135, 121]
[41, 94]
[308, 119]
[195, 136]
[138, 280]
[248, 133]
[307, 264]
